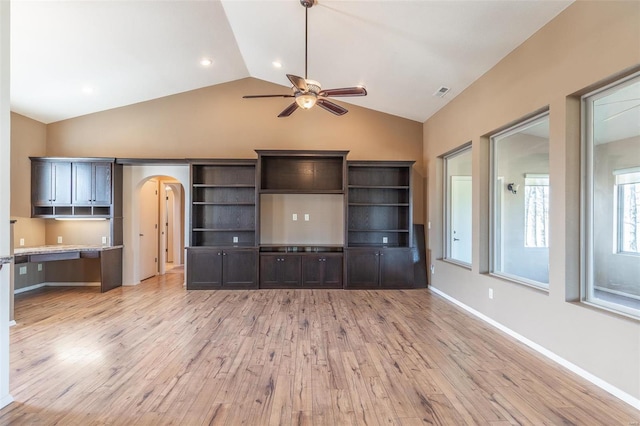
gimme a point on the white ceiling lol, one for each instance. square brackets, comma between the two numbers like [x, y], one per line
[133, 51]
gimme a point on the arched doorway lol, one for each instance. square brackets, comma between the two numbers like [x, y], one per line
[154, 215]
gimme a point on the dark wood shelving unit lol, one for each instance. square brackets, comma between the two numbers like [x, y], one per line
[379, 224]
[223, 250]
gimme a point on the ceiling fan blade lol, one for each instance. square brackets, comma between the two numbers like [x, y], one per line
[266, 96]
[288, 110]
[298, 82]
[345, 91]
[331, 107]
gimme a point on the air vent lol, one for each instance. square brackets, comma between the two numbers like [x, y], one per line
[441, 92]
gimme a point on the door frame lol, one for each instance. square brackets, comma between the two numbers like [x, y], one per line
[134, 176]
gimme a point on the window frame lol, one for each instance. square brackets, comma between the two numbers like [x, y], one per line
[587, 284]
[619, 211]
[446, 206]
[494, 195]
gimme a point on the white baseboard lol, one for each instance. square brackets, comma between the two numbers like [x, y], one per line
[618, 393]
[6, 400]
[57, 284]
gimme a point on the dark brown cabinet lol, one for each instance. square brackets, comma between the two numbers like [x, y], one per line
[304, 172]
[280, 270]
[216, 268]
[76, 187]
[91, 183]
[379, 268]
[322, 270]
[50, 183]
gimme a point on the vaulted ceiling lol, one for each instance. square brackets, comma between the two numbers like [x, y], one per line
[70, 58]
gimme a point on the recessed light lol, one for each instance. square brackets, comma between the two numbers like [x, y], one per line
[87, 90]
[276, 64]
[205, 62]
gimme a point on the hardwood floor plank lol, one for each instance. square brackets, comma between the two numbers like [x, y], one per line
[158, 354]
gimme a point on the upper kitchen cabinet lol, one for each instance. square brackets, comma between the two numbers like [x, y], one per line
[75, 187]
[91, 183]
[50, 183]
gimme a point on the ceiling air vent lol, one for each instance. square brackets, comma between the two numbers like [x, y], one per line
[441, 92]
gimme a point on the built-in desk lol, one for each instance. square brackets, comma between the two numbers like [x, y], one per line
[5, 259]
[110, 259]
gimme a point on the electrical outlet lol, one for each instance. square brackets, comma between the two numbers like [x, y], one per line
[39, 267]
[433, 269]
[235, 239]
[429, 225]
[59, 240]
[104, 240]
[21, 241]
[385, 240]
[23, 270]
[490, 293]
[295, 216]
[306, 217]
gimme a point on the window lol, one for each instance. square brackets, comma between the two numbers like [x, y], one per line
[520, 202]
[611, 206]
[458, 206]
[628, 208]
[536, 211]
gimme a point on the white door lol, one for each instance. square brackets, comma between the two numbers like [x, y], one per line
[149, 229]
[461, 202]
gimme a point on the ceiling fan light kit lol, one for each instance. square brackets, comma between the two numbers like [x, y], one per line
[308, 93]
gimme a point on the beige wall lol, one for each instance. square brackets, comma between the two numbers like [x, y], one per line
[28, 139]
[215, 122]
[587, 43]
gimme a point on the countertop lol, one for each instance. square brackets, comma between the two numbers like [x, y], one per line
[59, 248]
[5, 259]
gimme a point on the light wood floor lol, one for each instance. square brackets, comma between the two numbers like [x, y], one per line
[157, 354]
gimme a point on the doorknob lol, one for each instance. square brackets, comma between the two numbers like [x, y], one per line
[142, 235]
[456, 239]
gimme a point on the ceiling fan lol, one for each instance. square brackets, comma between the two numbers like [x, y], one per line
[308, 93]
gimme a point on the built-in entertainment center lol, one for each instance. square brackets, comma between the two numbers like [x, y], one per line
[300, 219]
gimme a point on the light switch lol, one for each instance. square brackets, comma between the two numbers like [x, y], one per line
[104, 240]
[295, 216]
[306, 217]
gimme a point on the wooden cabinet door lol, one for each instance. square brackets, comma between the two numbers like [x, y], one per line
[313, 270]
[41, 183]
[363, 268]
[204, 269]
[101, 183]
[61, 175]
[269, 276]
[82, 184]
[239, 268]
[91, 184]
[396, 269]
[290, 271]
[332, 277]
[51, 183]
[322, 271]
